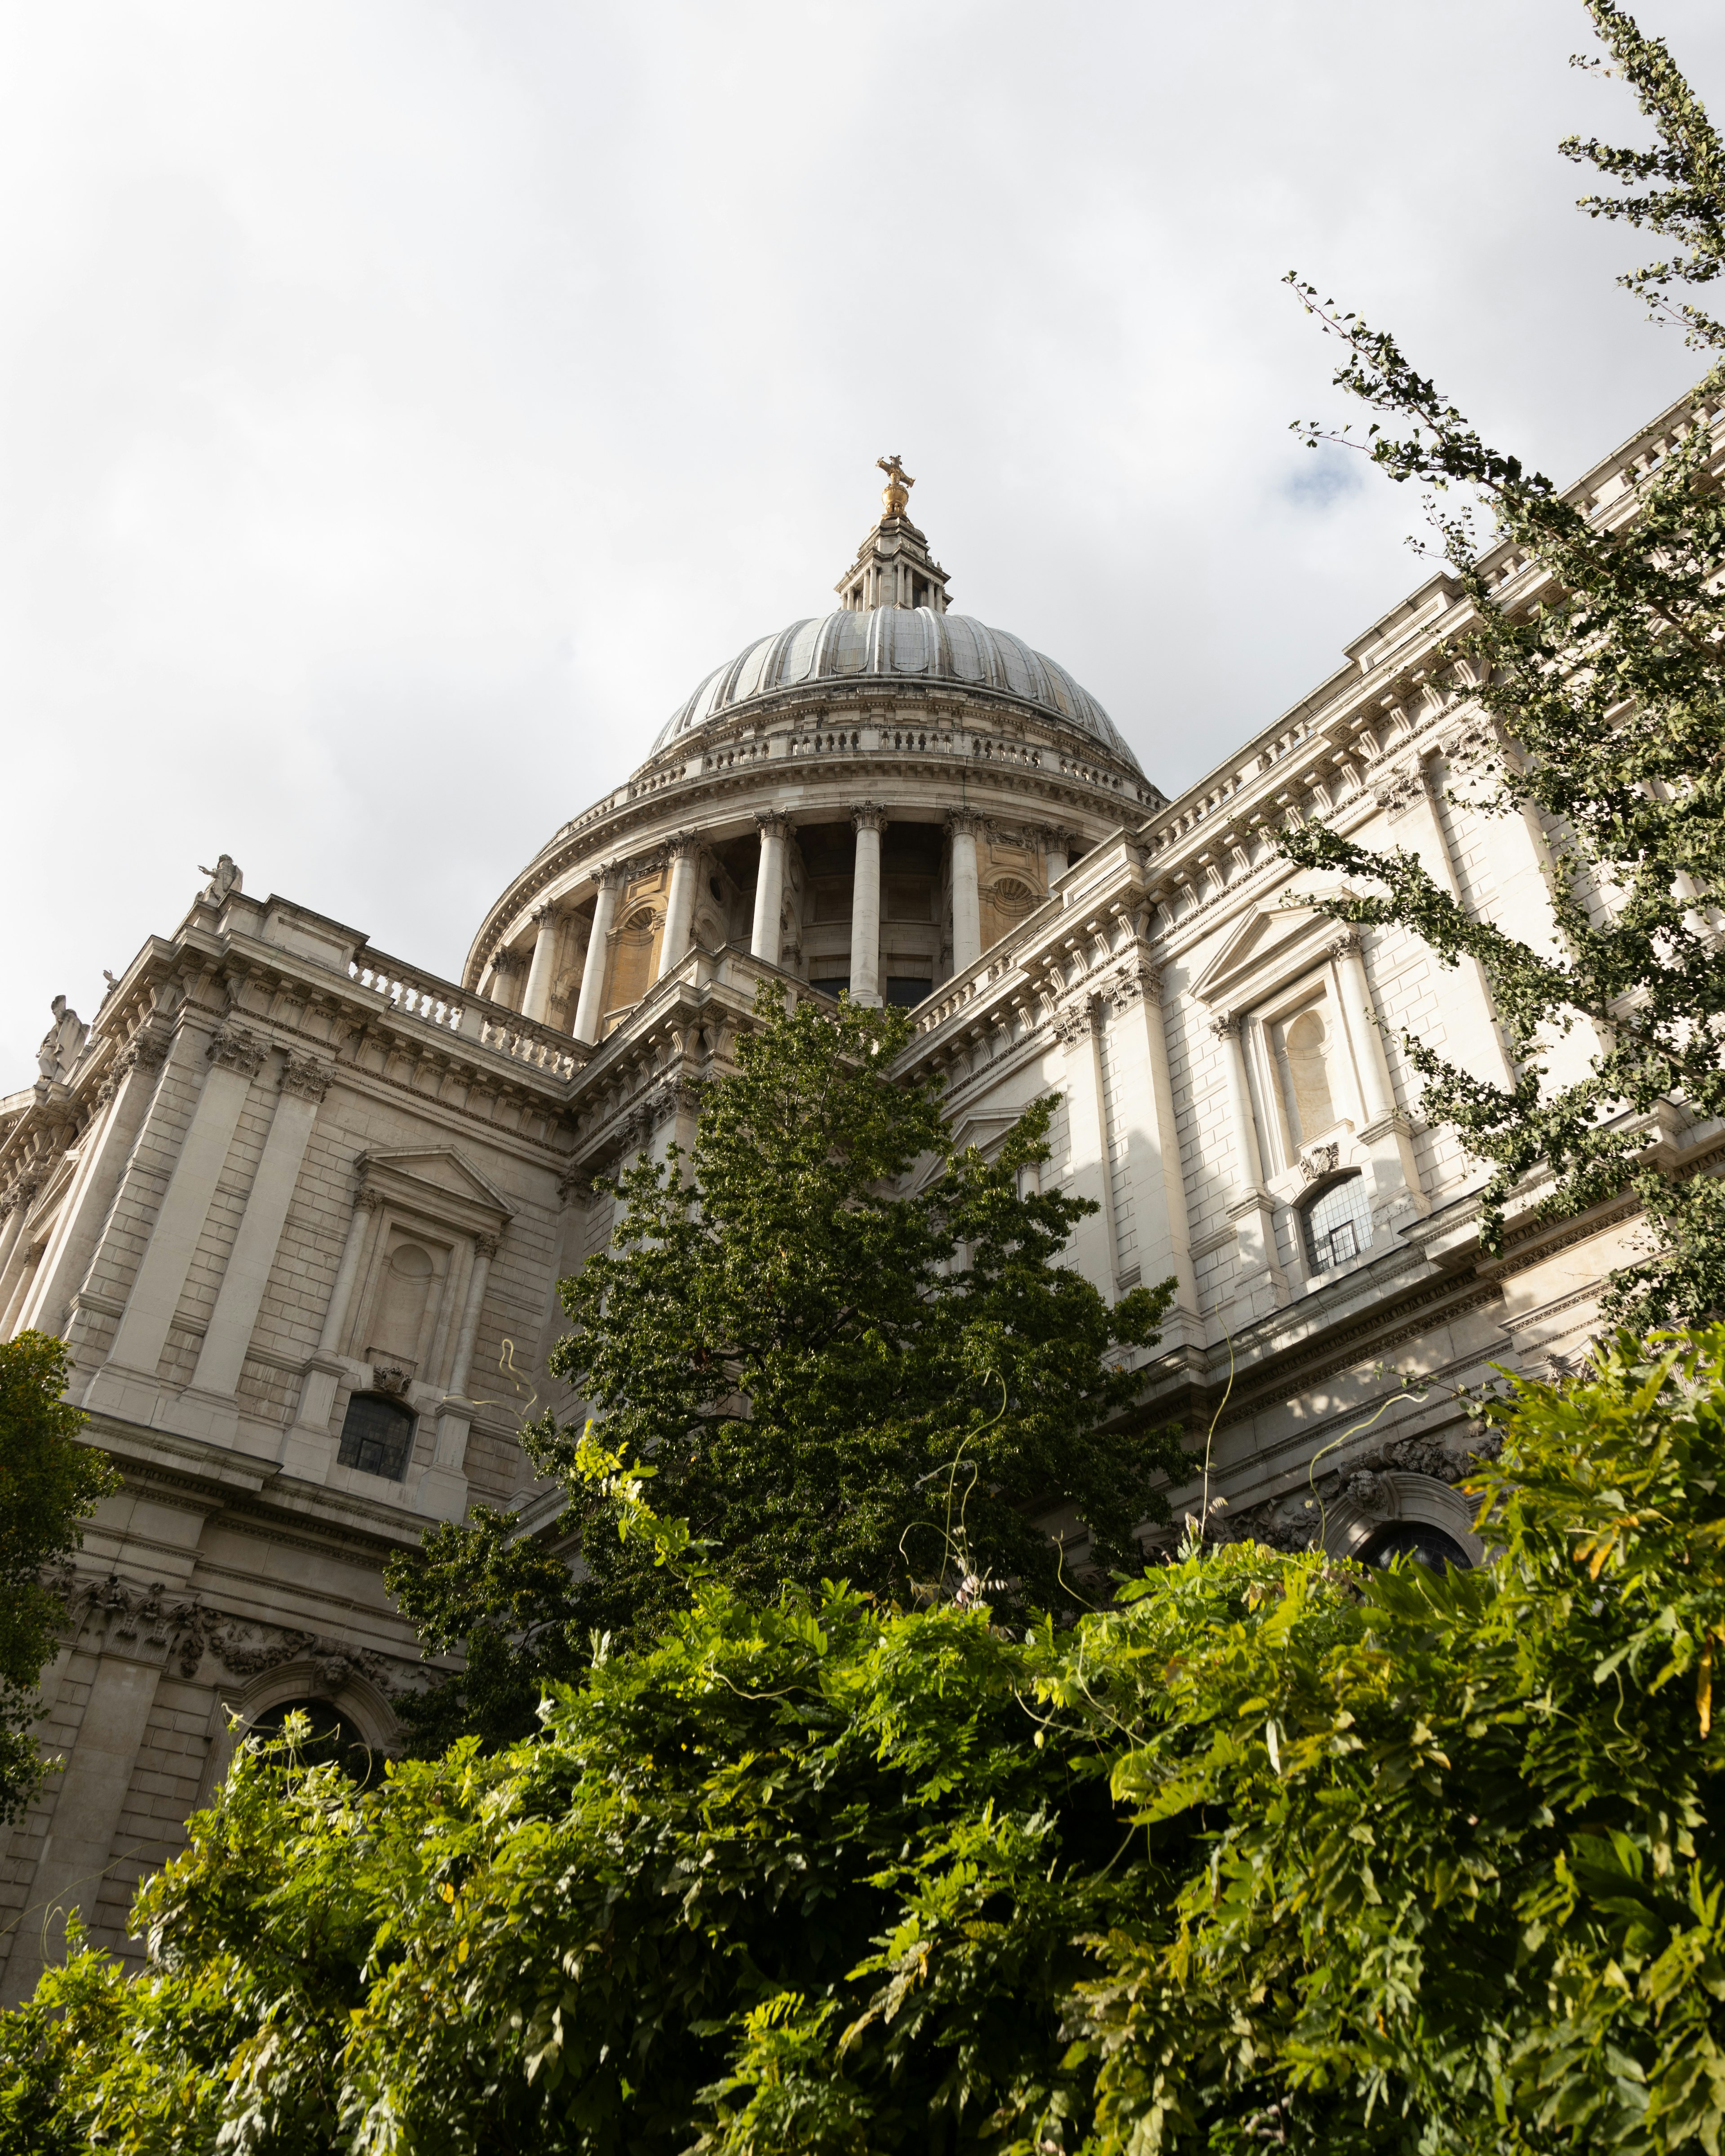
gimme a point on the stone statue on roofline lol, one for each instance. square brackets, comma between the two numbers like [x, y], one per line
[61, 1044]
[223, 879]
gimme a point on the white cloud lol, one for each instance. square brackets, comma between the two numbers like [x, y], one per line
[403, 406]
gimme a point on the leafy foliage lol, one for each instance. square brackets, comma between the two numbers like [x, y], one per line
[1274, 1851]
[1605, 673]
[831, 1376]
[49, 1483]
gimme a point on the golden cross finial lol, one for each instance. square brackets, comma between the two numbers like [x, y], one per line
[895, 494]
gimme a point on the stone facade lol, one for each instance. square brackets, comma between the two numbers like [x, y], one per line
[300, 1209]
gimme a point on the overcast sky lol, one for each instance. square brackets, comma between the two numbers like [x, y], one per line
[404, 405]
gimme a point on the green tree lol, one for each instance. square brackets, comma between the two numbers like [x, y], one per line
[49, 1483]
[1274, 1851]
[1606, 672]
[845, 1350]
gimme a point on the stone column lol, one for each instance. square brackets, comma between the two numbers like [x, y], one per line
[868, 822]
[1248, 1160]
[1145, 1094]
[547, 925]
[126, 1384]
[303, 1081]
[589, 1007]
[90, 1798]
[65, 1263]
[1259, 1285]
[765, 940]
[1421, 797]
[19, 1199]
[1384, 1133]
[308, 1448]
[442, 1490]
[1055, 846]
[1092, 1243]
[505, 971]
[1377, 1094]
[684, 851]
[966, 903]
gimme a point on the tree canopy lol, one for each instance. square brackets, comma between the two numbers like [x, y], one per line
[843, 1348]
[1275, 1852]
[48, 1484]
[1602, 667]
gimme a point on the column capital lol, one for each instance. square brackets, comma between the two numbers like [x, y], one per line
[1225, 1024]
[366, 1200]
[20, 1193]
[505, 961]
[866, 816]
[1075, 1021]
[773, 822]
[307, 1075]
[610, 875]
[682, 842]
[1140, 982]
[486, 1245]
[964, 823]
[541, 914]
[237, 1048]
[1347, 945]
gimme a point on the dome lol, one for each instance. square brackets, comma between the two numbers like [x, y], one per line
[897, 643]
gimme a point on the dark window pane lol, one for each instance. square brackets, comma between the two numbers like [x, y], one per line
[834, 986]
[901, 990]
[377, 1437]
[1420, 1540]
[333, 1739]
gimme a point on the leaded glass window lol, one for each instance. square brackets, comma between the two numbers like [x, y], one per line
[1338, 1222]
[377, 1436]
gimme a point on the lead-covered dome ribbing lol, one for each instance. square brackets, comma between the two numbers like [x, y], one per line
[905, 644]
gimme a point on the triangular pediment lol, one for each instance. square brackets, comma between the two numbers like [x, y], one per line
[1274, 941]
[435, 1168]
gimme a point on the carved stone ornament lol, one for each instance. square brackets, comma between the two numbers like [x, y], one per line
[147, 1052]
[1320, 1160]
[1133, 984]
[1224, 1023]
[575, 1186]
[249, 1649]
[867, 817]
[1074, 1022]
[682, 842]
[964, 823]
[611, 876]
[366, 1200]
[20, 1193]
[1370, 1491]
[1398, 792]
[236, 1048]
[773, 822]
[307, 1075]
[390, 1378]
[1345, 945]
[487, 1245]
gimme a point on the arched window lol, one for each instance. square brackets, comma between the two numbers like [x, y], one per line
[376, 1436]
[1337, 1223]
[1418, 1539]
[333, 1740]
